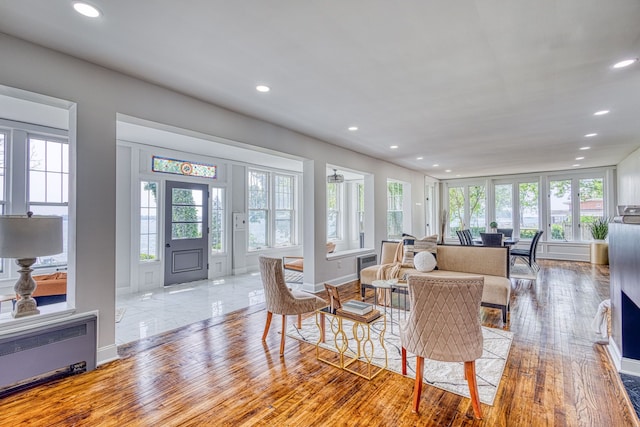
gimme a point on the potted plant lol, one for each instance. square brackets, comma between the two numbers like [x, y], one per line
[494, 226]
[599, 247]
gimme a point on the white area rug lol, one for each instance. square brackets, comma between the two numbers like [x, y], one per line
[445, 375]
[120, 314]
[292, 276]
[522, 271]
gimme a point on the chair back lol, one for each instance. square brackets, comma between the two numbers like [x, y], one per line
[534, 244]
[507, 232]
[491, 239]
[278, 297]
[444, 322]
[465, 237]
[388, 251]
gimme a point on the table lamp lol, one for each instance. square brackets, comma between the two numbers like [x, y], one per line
[26, 237]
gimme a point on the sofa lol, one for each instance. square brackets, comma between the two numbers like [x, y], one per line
[50, 288]
[452, 260]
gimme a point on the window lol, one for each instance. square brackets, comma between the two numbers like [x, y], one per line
[334, 211]
[528, 204]
[3, 143]
[395, 205]
[271, 210]
[258, 209]
[49, 187]
[560, 210]
[217, 220]
[284, 209]
[504, 205]
[360, 208]
[467, 205]
[591, 191]
[148, 221]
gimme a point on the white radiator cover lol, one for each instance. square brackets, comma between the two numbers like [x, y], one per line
[35, 351]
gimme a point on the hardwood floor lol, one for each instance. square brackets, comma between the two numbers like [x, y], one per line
[219, 373]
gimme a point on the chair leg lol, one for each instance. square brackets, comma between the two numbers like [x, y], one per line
[284, 333]
[417, 388]
[299, 321]
[470, 375]
[404, 361]
[267, 325]
[504, 314]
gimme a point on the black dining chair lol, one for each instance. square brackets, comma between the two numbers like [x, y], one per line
[528, 256]
[465, 237]
[491, 239]
[507, 232]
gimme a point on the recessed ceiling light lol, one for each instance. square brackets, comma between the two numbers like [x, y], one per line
[585, 148]
[625, 63]
[436, 165]
[419, 158]
[589, 135]
[458, 175]
[601, 113]
[576, 165]
[353, 128]
[86, 9]
[393, 147]
[448, 170]
[263, 88]
[579, 158]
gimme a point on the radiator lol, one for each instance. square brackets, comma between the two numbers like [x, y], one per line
[365, 261]
[67, 344]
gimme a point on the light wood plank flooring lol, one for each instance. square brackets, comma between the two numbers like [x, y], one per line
[219, 373]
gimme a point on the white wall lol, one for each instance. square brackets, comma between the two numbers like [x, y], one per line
[629, 180]
[99, 95]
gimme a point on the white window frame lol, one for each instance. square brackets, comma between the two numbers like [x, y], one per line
[140, 220]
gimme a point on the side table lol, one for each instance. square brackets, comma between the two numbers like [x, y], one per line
[387, 287]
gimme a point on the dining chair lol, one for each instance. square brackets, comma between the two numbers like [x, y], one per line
[465, 237]
[491, 239]
[507, 232]
[528, 256]
[281, 300]
[444, 324]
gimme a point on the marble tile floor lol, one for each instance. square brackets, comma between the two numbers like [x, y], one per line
[153, 312]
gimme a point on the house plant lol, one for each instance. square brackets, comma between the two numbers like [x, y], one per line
[494, 226]
[599, 247]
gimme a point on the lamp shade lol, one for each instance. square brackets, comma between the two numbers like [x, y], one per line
[23, 236]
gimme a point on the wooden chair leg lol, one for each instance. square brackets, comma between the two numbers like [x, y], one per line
[404, 361]
[470, 375]
[267, 325]
[299, 321]
[284, 333]
[417, 388]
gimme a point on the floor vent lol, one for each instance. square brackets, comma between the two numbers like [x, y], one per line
[35, 354]
[365, 261]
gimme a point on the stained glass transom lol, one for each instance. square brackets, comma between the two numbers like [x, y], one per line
[181, 167]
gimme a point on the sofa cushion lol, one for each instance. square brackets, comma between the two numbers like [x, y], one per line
[497, 290]
[424, 261]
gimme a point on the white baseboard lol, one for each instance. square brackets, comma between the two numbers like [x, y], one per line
[107, 354]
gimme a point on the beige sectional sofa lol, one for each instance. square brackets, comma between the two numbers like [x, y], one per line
[452, 260]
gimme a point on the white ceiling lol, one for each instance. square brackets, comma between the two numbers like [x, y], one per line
[479, 87]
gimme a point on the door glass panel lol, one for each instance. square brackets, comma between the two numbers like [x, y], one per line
[504, 205]
[477, 209]
[183, 230]
[185, 196]
[591, 204]
[186, 213]
[529, 211]
[560, 205]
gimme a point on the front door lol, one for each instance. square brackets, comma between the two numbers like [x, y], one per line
[186, 232]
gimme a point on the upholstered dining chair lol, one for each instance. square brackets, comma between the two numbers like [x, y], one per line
[491, 239]
[528, 256]
[281, 300]
[508, 232]
[444, 325]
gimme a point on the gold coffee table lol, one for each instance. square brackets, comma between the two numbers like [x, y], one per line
[347, 359]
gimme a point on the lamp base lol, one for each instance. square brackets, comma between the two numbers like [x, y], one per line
[26, 305]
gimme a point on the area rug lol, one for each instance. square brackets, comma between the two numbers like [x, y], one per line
[120, 314]
[522, 272]
[445, 375]
[292, 276]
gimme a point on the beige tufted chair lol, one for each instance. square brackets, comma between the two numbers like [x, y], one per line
[444, 325]
[281, 300]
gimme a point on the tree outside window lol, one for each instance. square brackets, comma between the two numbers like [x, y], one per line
[258, 209]
[528, 209]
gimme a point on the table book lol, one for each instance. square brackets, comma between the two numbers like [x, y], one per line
[356, 307]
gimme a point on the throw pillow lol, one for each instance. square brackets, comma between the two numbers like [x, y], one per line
[424, 261]
[412, 246]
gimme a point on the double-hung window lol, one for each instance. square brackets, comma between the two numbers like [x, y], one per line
[334, 209]
[49, 186]
[395, 205]
[272, 209]
[217, 220]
